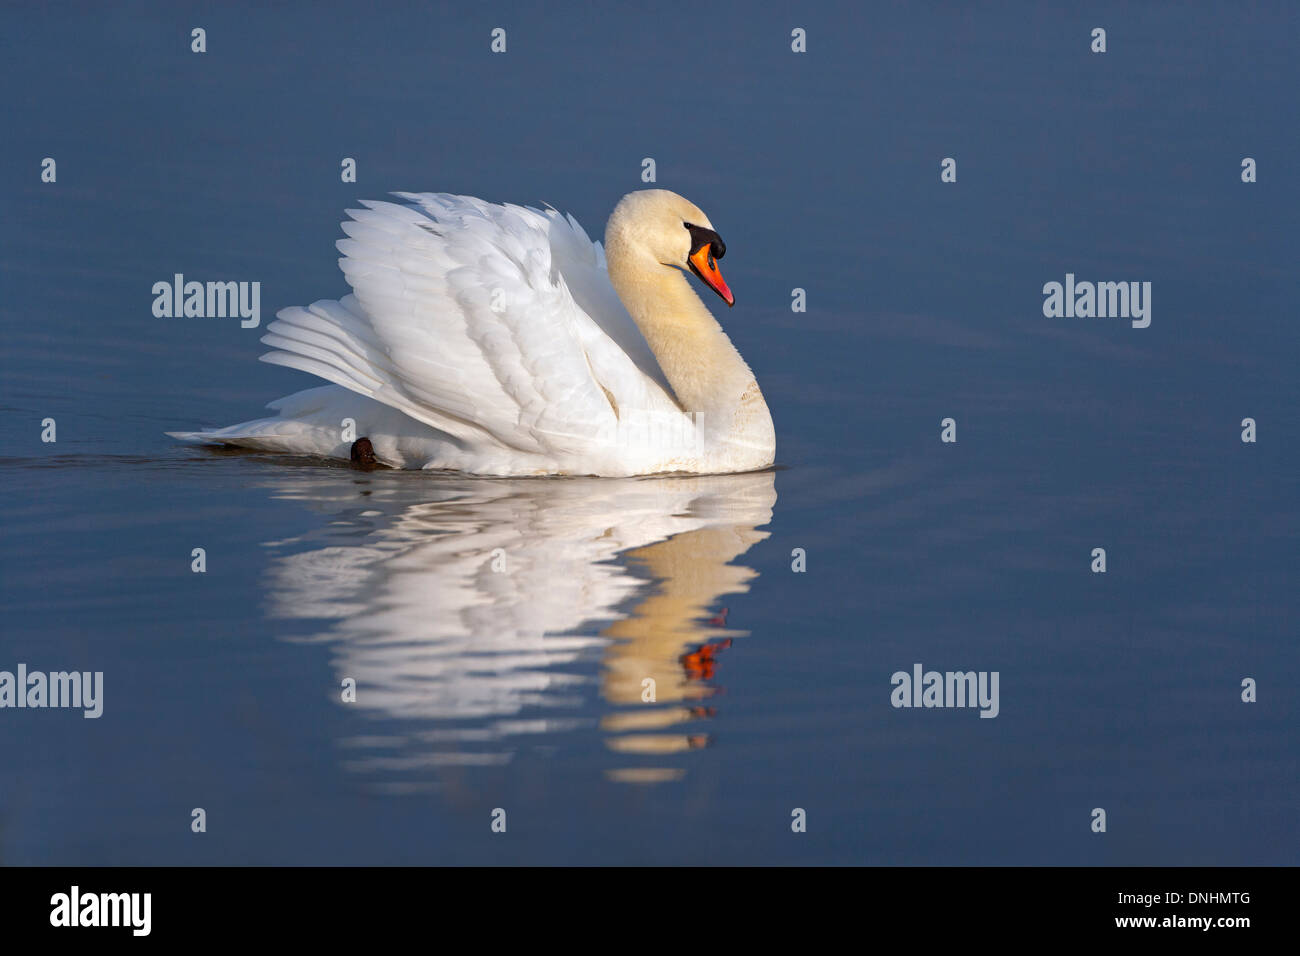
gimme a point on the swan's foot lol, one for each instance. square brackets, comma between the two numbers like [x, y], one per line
[363, 454]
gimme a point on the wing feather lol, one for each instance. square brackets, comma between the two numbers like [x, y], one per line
[494, 323]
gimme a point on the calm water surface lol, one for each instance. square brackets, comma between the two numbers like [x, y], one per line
[478, 689]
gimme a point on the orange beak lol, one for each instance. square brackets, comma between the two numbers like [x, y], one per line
[706, 267]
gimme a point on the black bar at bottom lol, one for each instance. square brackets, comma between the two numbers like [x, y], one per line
[213, 904]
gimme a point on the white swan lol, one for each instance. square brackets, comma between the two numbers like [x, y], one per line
[494, 340]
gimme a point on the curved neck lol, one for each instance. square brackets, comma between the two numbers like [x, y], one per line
[703, 367]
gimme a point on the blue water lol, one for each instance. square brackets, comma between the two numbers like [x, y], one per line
[480, 690]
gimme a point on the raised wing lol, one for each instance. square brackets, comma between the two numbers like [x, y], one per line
[492, 323]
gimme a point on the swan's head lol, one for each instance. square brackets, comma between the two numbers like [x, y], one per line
[672, 231]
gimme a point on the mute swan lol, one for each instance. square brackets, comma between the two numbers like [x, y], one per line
[500, 340]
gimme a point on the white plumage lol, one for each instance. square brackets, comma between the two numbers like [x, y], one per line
[490, 339]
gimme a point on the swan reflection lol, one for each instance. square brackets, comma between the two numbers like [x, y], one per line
[476, 614]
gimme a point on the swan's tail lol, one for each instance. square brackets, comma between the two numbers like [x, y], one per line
[324, 422]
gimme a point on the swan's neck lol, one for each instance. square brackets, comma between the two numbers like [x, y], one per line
[705, 370]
